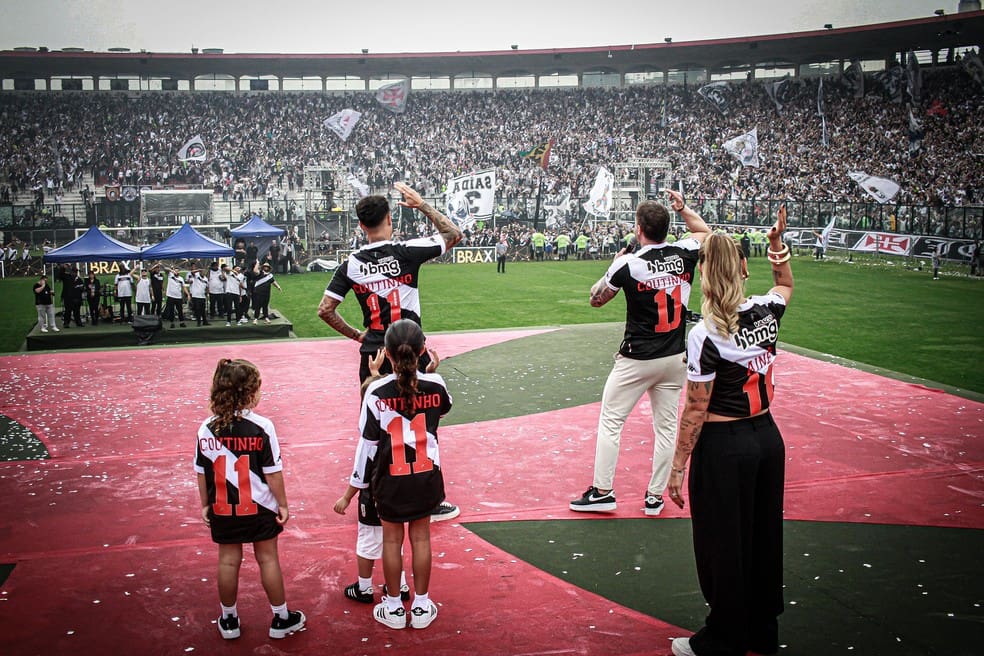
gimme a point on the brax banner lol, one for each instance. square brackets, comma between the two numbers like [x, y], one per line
[471, 197]
[473, 255]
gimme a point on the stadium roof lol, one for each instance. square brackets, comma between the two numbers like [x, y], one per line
[870, 42]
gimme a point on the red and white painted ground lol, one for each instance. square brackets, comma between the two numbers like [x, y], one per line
[112, 558]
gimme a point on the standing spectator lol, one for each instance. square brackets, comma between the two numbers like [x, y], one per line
[124, 294]
[44, 302]
[656, 280]
[156, 289]
[216, 289]
[177, 291]
[198, 286]
[232, 284]
[501, 249]
[93, 295]
[73, 289]
[251, 507]
[263, 280]
[738, 466]
[937, 261]
[274, 253]
[144, 298]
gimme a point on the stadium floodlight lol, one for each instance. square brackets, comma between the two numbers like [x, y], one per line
[365, 51]
[514, 47]
[668, 39]
[828, 26]
[939, 12]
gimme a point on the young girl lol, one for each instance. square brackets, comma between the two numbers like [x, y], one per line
[398, 423]
[241, 484]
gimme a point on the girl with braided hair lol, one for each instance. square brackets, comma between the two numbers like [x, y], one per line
[398, 426]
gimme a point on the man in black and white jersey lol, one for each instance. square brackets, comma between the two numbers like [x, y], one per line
[383, 274]
[656, 280]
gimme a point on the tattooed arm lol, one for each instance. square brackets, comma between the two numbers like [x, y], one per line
[691, 421]
[329, 314]
[447, 229]
[601, 293]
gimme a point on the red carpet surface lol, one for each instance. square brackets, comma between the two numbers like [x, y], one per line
[111, 555]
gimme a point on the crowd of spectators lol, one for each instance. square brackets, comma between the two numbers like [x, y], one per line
[259, 143]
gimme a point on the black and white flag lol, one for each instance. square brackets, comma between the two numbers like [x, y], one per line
[822, 111]
[892, 81]
[470, 197]
[913, 79]
[972, 65]
[782, 91]
[916, 134]
[343, 122]
[718, 94]
[853, 78]
[193, 150]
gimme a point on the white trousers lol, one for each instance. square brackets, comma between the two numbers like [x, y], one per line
[629, 379]
[46, 316]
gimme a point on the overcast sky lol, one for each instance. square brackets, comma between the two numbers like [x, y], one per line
[341, 26]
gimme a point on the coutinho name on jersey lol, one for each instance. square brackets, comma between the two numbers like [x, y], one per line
[236, 444]
[420, 402]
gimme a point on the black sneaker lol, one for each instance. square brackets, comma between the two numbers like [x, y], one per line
[654, 504]
[281, 628]
[354, 592]
[593, 501]
[404, 592]
[229, 627]
[445, 511]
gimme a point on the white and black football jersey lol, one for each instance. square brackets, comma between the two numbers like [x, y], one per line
[741, 365]
[235, 462]
[401, 442]
[656, 280]
[383, 276]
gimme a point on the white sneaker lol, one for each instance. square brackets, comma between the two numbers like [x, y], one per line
[421, 617]
[44, 330]
[681, 647]
[56, 329]
[228, 324]
[396, 619]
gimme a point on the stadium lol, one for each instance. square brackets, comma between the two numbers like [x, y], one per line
[115, 161]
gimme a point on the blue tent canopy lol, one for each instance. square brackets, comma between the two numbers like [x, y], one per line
[93, 246]
[256, 227]
[186, 242]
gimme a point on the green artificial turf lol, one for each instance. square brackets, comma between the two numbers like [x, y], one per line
[849, 588]
[19, 443]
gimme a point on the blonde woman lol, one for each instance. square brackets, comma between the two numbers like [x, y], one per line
[736, 453]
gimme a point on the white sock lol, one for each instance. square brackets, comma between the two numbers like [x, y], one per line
[280, 611]
[392, 603]
[420, 600]
[229, 611]
[365, 585]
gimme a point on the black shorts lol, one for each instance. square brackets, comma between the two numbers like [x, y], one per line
[241, 530]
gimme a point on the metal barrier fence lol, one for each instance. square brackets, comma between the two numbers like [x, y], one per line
[36, 225]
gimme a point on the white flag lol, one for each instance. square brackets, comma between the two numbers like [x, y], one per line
[343, 122]
[744, 147]
[600, 199]
[881, 189]
[193, 151]
[471, 196]
[361, 189]
[825, 233]
[394, 96]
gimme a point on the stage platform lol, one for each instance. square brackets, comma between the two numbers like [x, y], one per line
[112, 335]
